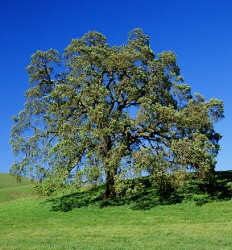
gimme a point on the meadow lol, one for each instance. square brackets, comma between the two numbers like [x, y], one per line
[28, 221]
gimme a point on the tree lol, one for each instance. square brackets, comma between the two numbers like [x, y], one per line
[100, 111]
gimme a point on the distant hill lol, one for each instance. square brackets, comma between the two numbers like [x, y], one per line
[10, 189]
[7, 180]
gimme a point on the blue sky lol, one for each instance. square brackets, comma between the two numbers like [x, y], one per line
[199, 32]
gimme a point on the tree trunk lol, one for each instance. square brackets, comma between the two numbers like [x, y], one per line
[110, 189]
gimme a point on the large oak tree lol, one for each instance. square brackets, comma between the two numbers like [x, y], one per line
[98, 111]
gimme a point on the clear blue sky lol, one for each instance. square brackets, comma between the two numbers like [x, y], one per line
[199, 32]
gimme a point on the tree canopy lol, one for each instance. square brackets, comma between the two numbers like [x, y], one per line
[101, 113]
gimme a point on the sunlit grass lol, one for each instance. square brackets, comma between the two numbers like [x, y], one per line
[10, 189]
[7, 180]
[30, 224]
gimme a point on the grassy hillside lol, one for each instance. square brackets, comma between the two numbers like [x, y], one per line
[31, 224]
[28, 222]
[10, 189]
[7, 180]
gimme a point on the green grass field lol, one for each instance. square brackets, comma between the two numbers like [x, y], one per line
[28, 222]
[7, 181]
[10, 189]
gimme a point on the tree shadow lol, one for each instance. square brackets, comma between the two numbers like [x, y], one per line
[149, 197]
[144, 200]
[81, 198]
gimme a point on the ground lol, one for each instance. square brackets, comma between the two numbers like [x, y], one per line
[29, 222]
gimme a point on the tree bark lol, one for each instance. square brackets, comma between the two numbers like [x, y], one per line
[109, 189]
[110, 173]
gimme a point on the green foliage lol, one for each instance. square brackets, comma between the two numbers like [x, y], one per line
[201, 199]
[77, 123]
[47, 187]
[229, 186]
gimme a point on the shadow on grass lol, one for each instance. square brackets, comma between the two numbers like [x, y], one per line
[149, 197]
[94, 196]
[77, 199]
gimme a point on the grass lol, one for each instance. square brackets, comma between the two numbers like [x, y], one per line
[10, 189]
[7, 181]
[31, 223]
